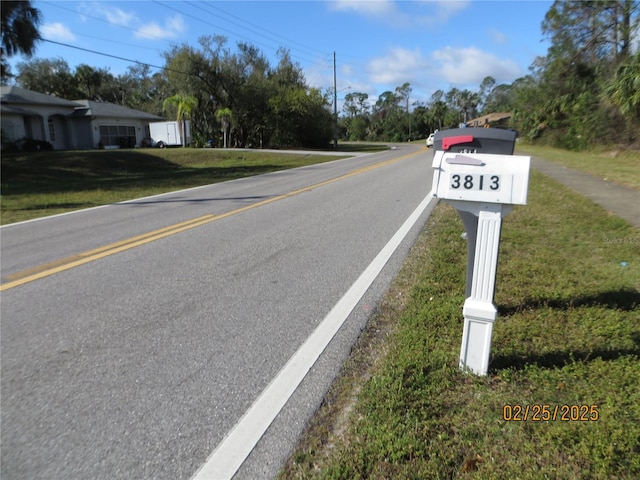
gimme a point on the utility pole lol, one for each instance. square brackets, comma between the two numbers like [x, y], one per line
[335, 105]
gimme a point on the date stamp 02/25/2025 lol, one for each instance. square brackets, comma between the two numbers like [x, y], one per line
[546, 413]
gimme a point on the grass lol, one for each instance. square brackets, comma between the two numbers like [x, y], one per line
[47, 183]
[568, 333]
[619, 166]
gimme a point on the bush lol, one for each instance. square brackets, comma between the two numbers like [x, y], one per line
[31, 145]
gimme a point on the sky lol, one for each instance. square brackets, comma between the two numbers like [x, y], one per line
[378, 44]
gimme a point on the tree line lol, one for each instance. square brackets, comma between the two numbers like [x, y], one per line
[234, 97]
[585, 91]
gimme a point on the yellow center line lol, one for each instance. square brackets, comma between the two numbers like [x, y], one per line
[61, 265]
[51, 268]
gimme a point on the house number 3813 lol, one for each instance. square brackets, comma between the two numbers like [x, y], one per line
[475, 182]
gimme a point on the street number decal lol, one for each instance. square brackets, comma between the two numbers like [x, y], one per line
[475, 182]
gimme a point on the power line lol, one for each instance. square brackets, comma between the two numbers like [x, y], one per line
[234, 33]
[274, 34]
[201, 20]
[120, 43]
[114, 56]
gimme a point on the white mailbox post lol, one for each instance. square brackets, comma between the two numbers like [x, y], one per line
[483, 187]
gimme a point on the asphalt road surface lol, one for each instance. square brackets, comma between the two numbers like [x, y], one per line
[136, 337]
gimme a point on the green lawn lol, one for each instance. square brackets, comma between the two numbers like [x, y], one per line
[46, 183]
[568, 334]
[619, 166]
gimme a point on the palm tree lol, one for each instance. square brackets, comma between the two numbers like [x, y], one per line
[624, 90]
[224, 115]
[184, 105]
[19, 31]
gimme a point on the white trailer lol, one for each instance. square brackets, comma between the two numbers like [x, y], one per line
[168, 134]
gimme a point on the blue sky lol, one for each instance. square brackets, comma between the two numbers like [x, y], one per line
[379, 44]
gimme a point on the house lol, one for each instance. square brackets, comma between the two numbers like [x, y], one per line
[499, 119]
[66, 124]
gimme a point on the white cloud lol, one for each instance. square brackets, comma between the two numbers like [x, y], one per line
[469, 66]
[119, 17]
[110, 13]
[427, 72]
[399, 14]
[370, 8]
[176, 24]
[497, 37]
[151, 30]
[171, 29]
[56, 31]
[399, 65]
[443, 10]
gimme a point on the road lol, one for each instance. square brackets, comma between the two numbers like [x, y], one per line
[135, 337]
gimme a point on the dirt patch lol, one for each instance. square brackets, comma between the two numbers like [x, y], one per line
[611, 154]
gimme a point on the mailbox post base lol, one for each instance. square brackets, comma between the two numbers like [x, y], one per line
[476, 336]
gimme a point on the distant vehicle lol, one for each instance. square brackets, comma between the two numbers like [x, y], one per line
[430, 140]
[168, 134]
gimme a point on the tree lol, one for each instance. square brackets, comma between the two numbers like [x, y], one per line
[486, 87]
[197, 73]
[89, 81]
[355, 104]
[19, 31]
[299, 115]
[142, 90]
[464, 101]
[357, 109]
[591, 31]
[184, 105]
[224, 115]
[578, 95]
[500, 99]
[247, 90]
[403, 93]
[624, 89]
[49, 76]
[438, 108]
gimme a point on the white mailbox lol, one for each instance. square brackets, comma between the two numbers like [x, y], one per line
[481, 177]
[475, 172]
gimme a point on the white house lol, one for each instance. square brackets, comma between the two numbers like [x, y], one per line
[79, 124]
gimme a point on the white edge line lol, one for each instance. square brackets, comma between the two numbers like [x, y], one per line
[231, 453]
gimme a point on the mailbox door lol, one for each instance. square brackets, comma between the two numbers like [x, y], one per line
[476, 140]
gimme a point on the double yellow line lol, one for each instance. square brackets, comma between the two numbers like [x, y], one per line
[45, 270]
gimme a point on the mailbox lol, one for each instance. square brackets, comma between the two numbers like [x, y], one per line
[481, 177]
[476, 172]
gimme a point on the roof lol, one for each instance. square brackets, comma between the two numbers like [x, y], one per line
[13, 98]
[12, 109]
[491, 117]
[17, 95]
[91, 108]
